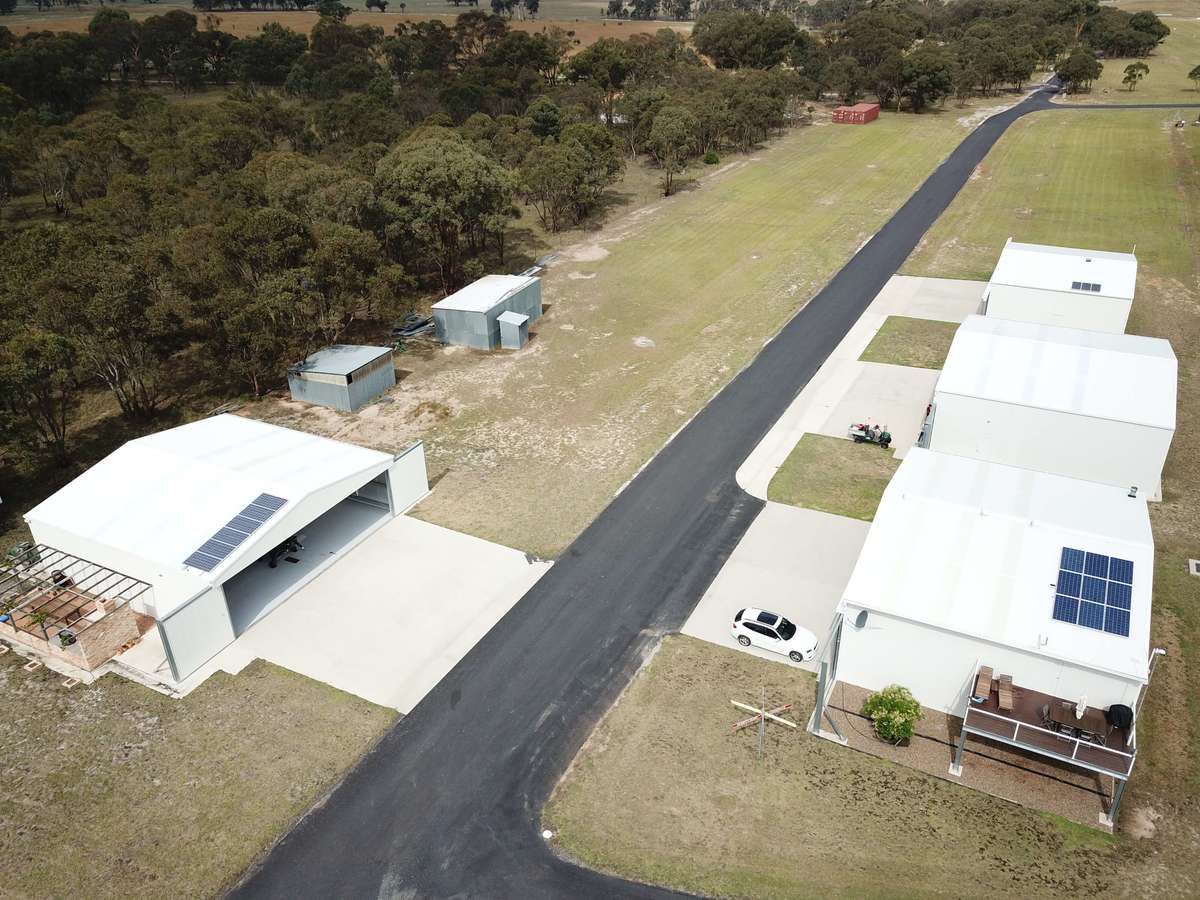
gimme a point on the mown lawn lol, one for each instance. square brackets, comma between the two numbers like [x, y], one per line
[1167, 81]
[1104, 179]
[834, 475]
[116, 791]
[905, 341]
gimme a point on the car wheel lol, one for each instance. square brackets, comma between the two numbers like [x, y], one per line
[796, 656]
[743, 640]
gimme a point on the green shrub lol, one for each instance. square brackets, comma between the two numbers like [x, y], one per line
[711, 158]
[894, 712]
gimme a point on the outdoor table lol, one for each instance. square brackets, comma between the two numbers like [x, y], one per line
[1091, 726]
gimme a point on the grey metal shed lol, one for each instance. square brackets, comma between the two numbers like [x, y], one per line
[514, 330]
[470, 317]
[343, 376]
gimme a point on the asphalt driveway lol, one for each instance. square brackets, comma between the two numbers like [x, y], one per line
[448, 803]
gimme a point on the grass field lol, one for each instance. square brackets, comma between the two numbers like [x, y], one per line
[1033, 187]
[116, 791]
[648, 318]
[580, 16]
[904, 341]
[834, 475]
[1182, 8]
[855, 826]
[665, 792]
[1169, 65]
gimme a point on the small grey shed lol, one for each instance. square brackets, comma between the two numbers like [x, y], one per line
[471, 317]
[514, 330]
[343, 376]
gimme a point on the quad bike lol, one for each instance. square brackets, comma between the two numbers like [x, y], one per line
[864, 433]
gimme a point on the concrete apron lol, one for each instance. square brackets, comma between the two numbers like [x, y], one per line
[845, 390]
[791, 561]
[385, 621]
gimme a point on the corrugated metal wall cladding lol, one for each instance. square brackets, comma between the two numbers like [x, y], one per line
[335, 396]
[369, 385]
[373, 366]
[480, 330]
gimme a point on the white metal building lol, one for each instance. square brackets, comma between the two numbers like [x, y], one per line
[1090, 289]
[971, 563]
[1085, 404]
[200, 512]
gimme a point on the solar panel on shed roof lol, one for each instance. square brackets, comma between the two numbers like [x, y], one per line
[1094, 590]
[217, 548]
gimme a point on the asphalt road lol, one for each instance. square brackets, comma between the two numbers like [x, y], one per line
[448, 803]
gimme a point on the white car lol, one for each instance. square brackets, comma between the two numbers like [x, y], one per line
[758, 628]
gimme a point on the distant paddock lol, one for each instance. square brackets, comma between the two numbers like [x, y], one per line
[244, 23]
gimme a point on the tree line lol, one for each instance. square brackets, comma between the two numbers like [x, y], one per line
[149, 246]
[911, 55]
[349, 172]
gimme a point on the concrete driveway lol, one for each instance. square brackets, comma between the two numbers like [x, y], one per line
[791, 561]
[845, 390]
[892, 396]
[385, 622]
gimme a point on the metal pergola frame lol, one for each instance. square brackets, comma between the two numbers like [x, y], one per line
[44, 580]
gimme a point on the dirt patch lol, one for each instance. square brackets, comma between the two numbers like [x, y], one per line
[1141, 822]
[585, 253]
[977, 117]
[429, 412]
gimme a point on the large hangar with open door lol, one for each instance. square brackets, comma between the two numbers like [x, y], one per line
[225, 518]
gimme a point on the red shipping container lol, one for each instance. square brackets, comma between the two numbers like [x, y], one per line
[858, 114]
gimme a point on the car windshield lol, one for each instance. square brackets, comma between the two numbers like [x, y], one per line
[786, 629]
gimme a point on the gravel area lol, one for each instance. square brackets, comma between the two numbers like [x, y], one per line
[987, 766]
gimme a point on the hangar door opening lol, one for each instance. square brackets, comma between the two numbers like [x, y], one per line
[272, 578]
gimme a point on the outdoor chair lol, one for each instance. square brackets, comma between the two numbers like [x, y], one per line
[1048, 723]
[1120, 719]
[983, 684]
[1005, 694]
